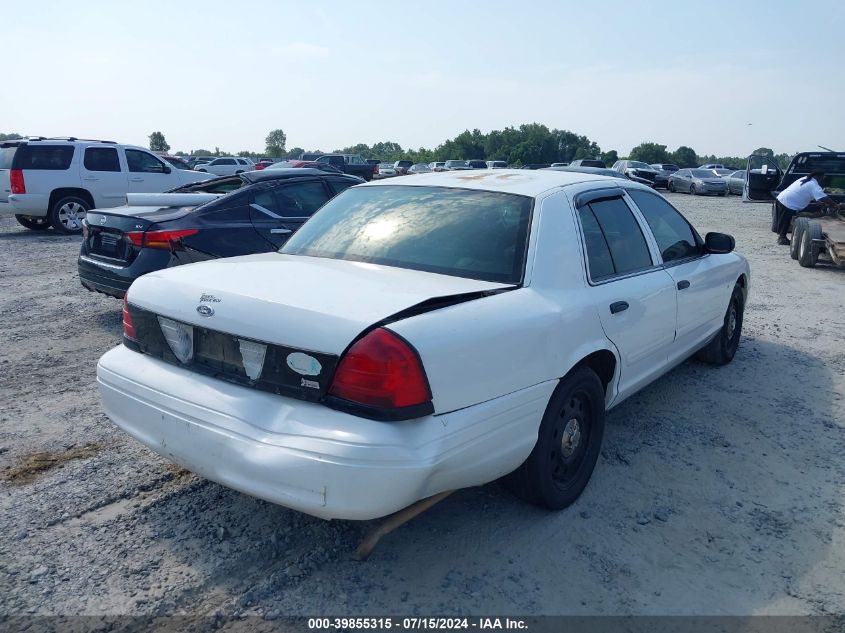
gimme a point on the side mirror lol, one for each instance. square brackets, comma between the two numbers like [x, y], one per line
[167, 169]
[719, 243]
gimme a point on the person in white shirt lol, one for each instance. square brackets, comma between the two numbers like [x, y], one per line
[796, 198]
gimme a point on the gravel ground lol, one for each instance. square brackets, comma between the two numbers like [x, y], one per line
[719, 490]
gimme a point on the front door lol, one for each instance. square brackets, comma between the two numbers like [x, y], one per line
[149, 174]
[762, 177]
[104, 177]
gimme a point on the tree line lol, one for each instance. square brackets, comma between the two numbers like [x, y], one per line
[529, 143]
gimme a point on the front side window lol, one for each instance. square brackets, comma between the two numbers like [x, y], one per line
[139, 161]
[46, 157]
[623, 238]
[675, 238]
[101, 159]
[458, 232]
[241, 161]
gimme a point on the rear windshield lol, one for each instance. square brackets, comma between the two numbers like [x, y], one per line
[592, 163]
[44, 157]
[459, 232]
[6, 156]
[829, 164]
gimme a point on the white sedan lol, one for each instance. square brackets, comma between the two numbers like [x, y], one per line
[421, 337]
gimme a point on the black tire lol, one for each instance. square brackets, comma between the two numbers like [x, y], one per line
[573, 423]
[32, 223]
[671, 186]
[797, 228]
[808, 252]
[67, 213]
[693, 191]
[721, 350]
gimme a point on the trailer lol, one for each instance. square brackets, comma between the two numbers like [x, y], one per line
[818, 237]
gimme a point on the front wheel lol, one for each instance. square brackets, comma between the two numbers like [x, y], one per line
[808, 250]
[671, 186]
[568, 444]
[67, 214]
[721, 350]
[33, 224]
[693, 191]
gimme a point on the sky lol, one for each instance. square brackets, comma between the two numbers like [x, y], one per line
[721, 77]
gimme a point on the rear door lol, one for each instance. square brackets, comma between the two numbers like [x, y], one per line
[634, 296]
[762, 176]
[149, 174]
[277, 211]
[104, 176]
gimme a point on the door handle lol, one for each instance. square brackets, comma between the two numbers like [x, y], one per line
[90, 178]
[280, 231]
[683, 284]
[618, 306]
[136, 179]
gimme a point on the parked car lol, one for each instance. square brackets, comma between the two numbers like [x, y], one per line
[419, 168]
[697, 181]
[54, 182]
[348, 377]
[455, 165]
[304, 164]
[351, 164]
[712, 166]
[669, 167]
[559, 165]
[477, 164]
[263, 164]
[310, 156]
[226, 218]
[176, 161]
[636, 168]
[402, 166]
[603, 171]
[227, 166]
[766, 179]
[722, 173]
[384, 170]
[664, 170]
[588, 162]
[438, 166]
[536, 166]
[735, 182]
[497, 164]
[373, 161]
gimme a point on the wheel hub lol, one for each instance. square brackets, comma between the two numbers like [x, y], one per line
[570, 438]
[731, 322]
[71, 215]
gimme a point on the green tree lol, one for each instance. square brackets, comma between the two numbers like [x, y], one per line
[181, 153]
[246, 154]
[294, 152]
[685, 157]
[650, 153]
[157, 142]
[609, 157]
[9, 137]
[201, 152]
[764, 151]
[275, 143]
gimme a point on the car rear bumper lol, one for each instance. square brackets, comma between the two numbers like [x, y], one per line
[306, 456]
[114, 279]
[33, 204]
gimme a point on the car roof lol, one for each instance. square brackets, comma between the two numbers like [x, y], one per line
[288, 172]
[517, 181]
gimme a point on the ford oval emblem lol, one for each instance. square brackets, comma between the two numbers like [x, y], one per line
[205, 311]
[103, 220]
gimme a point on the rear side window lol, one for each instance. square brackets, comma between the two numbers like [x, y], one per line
[50, 157]
[139, 161]
[300, 200]
[599, 260]
[101, 159]
[340, 184]
[623, 238]
[675, 237]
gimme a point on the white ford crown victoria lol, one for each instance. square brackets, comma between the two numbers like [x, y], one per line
[420, 337]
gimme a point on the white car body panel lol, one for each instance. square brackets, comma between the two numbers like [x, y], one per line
[227, 170]
[492, 363]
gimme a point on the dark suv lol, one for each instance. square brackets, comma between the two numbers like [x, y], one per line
[256, 212]
[588, 162]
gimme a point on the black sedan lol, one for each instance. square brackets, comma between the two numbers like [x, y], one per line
[254, 212]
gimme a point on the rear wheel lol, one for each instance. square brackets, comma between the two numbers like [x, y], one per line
[795, 243]
[808, 251]
[67, 214]
[568, 444]
[721, 350]
[33, 224]
[671, 186]
[693, 191]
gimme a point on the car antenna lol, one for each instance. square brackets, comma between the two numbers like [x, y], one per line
[827, 149]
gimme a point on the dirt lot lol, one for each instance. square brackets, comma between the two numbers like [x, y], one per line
[719, 490]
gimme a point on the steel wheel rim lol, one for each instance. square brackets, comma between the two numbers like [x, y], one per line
[71, 215]
[570, 438]
[732, 321]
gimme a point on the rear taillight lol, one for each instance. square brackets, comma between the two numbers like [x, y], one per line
[375, 169]
[128, 327]
[381, 370]
[17, 182]
[170, 240]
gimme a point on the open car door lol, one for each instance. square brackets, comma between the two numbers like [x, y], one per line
[762, 176]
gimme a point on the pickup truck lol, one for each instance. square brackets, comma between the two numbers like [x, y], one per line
[349, 164]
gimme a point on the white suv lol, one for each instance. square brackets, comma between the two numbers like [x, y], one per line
[227, 166]
[55, 181]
